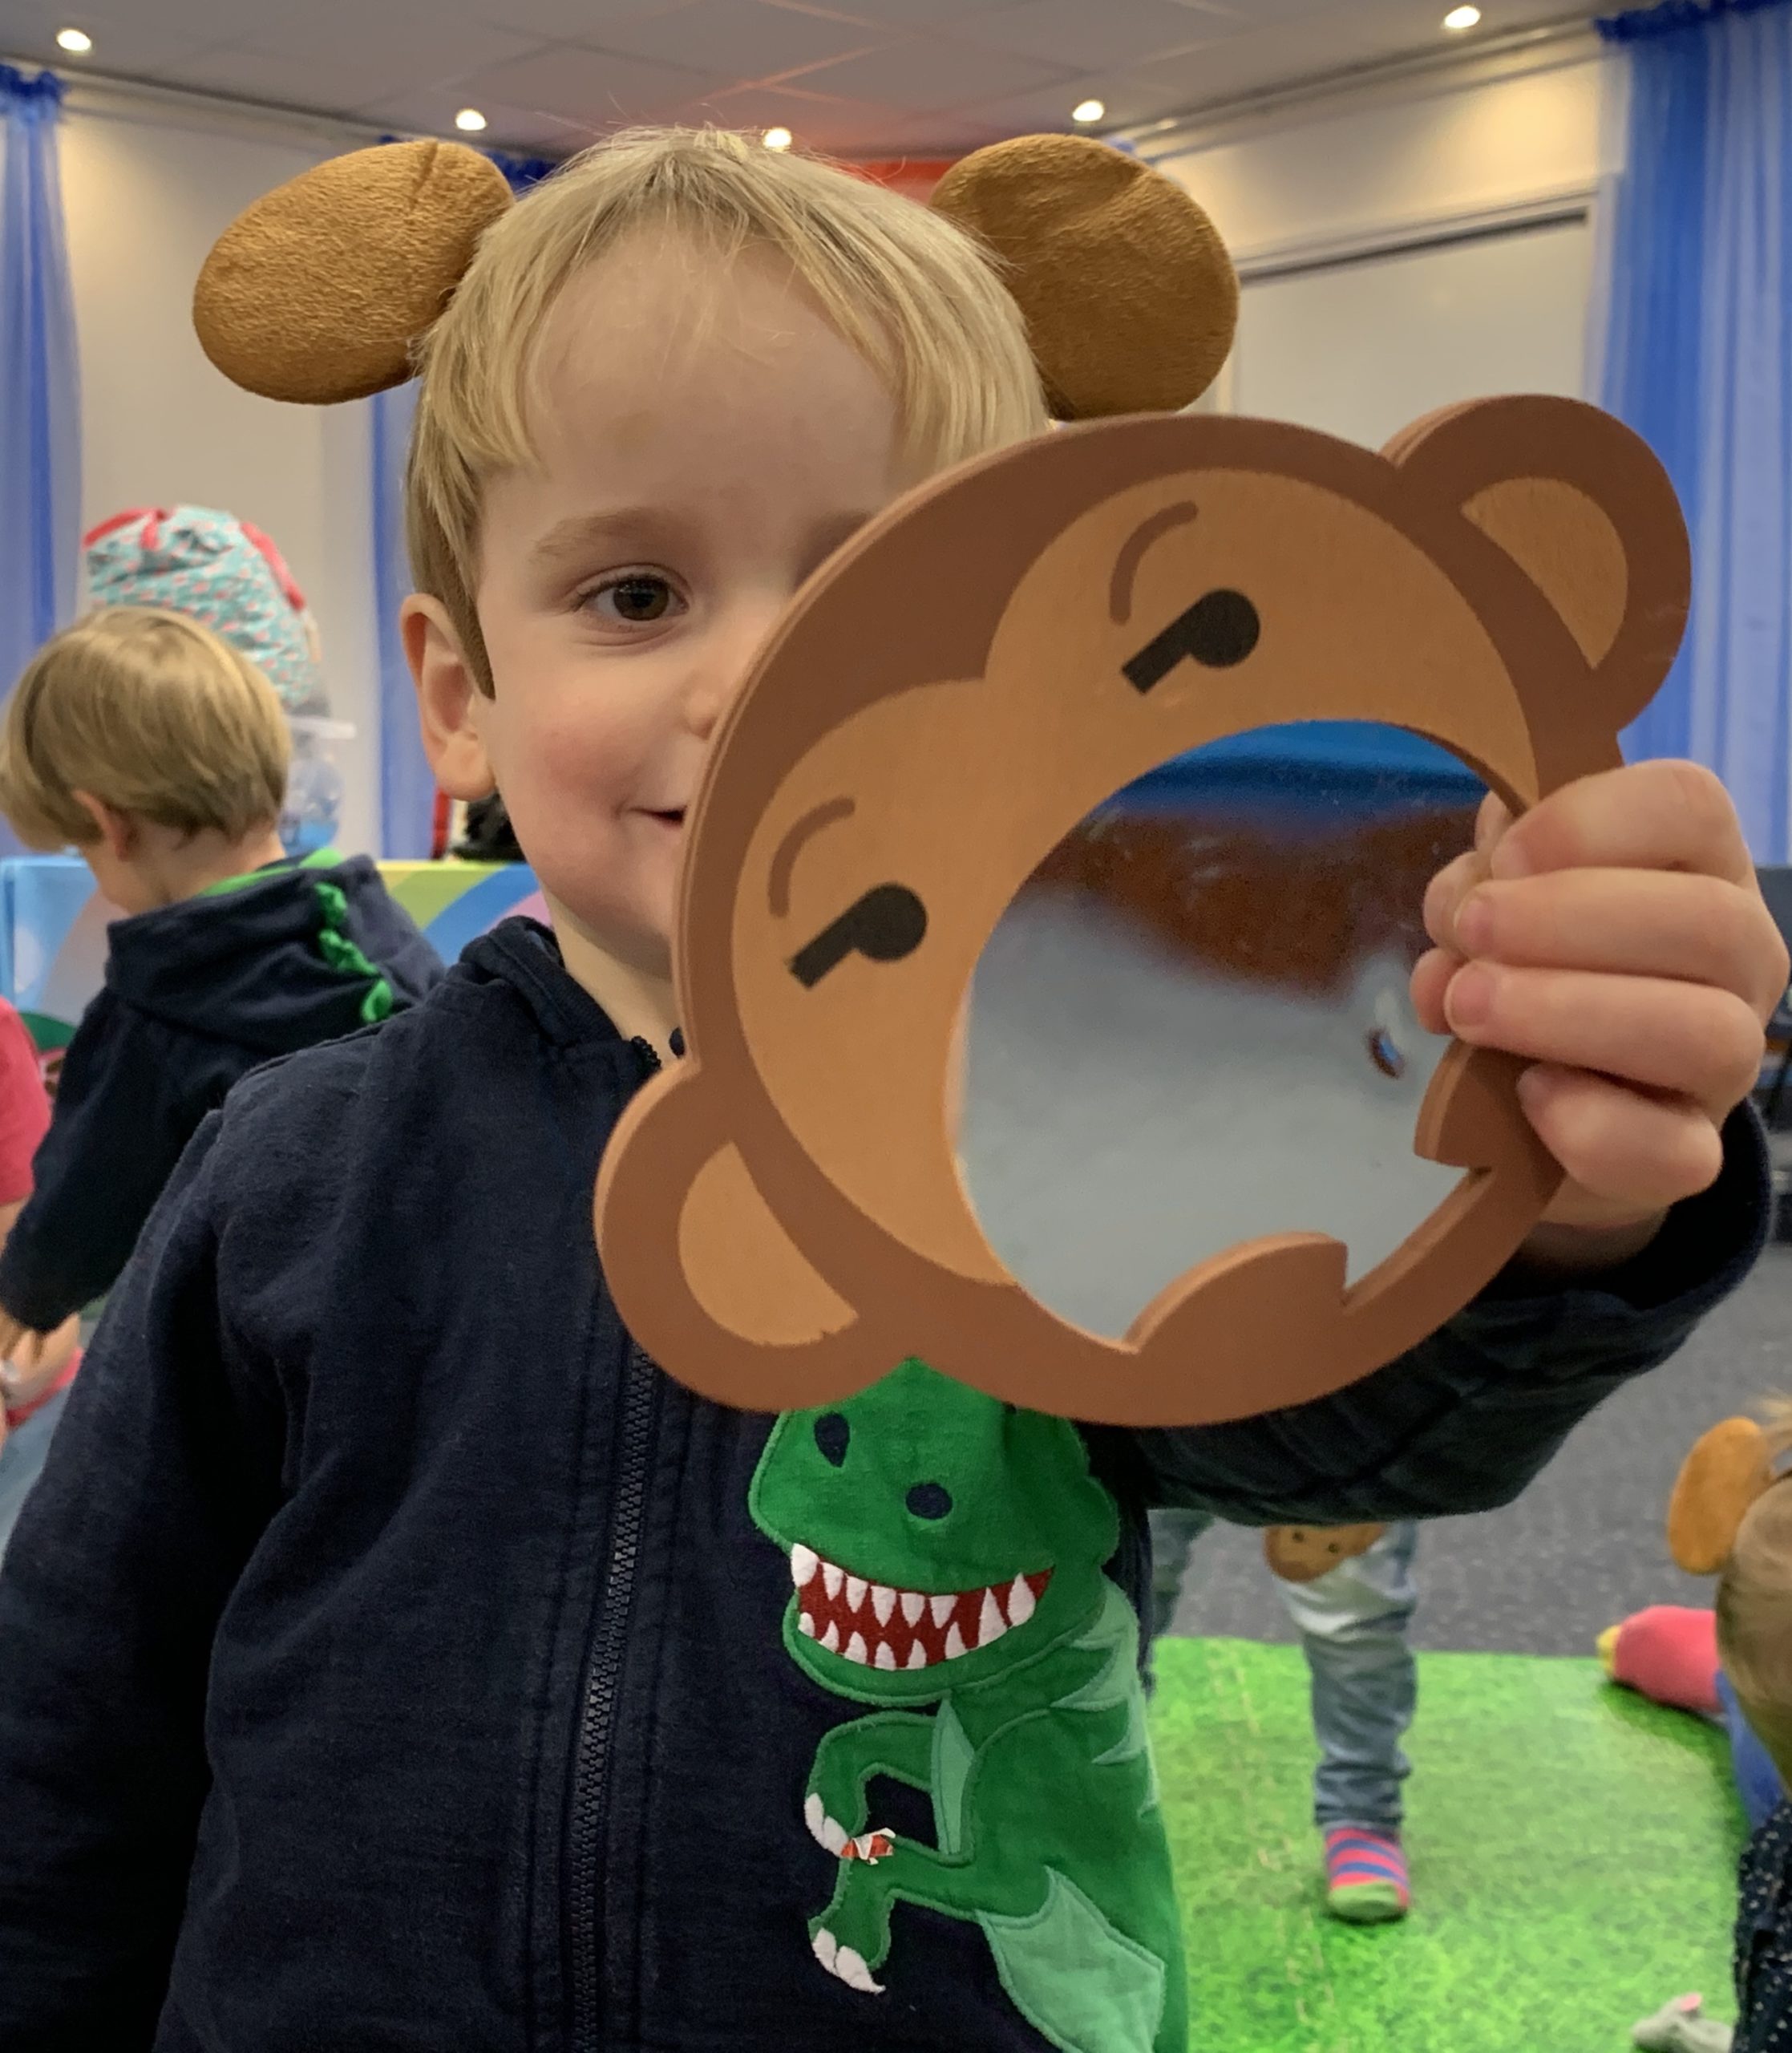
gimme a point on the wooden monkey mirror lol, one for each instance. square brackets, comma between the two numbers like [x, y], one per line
[784, 1216]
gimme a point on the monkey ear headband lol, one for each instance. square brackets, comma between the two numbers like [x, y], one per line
[320, 291]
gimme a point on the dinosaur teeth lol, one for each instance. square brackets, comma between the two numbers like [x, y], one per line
[955, 1644]
[831, 1639]
[831, 1578]
[917, 1655]
[990, 1624]
[857, 1650]
[804, 1561]
[885, 1656]
[882, 1602]
[805, 1625]
[943, 1608]
[854, 1592]
[913, 1604]
[1020, 1602]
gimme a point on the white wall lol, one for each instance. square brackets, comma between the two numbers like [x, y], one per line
[1354, 168]
[148, 186]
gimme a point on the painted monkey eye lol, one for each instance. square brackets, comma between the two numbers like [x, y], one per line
[887, 924]
[1219, 630]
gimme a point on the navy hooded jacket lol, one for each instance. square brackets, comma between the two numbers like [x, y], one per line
[394, 1660]
[197, 994]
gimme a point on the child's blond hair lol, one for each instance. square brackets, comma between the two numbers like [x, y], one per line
[915, 297]
[151, 714]
[1754, 1603]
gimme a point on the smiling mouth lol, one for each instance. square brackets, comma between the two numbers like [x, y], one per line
[880, 1627]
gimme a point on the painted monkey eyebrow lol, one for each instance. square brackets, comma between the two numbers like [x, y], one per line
[887, 923]
[783, 861]
[1132, 554]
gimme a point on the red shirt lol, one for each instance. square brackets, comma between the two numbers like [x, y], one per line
[24, 1107]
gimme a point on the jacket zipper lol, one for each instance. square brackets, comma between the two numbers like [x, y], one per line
[603, 1679]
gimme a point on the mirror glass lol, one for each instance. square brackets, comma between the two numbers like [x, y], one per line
[1192, 1027]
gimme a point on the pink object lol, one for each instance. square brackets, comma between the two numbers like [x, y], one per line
[1669, 1653]
[24, 1107]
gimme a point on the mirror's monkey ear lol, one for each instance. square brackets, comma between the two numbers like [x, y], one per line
[1728, 1468]
[318, 292]
[1130, 298]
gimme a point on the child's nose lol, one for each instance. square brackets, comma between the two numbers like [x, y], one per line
[717, 682]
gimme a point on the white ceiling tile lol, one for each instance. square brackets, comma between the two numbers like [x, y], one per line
[336, 83]
[899, 14]
[1119, 33]
[350, 31]
[526, 131]
[594, 88]
[813, 118]
[920, 74]
[740, 36]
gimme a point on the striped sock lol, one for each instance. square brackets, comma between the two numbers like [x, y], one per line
[1365, 1875]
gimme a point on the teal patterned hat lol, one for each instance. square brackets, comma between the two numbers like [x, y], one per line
[221, 572]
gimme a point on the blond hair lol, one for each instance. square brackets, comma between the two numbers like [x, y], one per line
[1755, 1602]
[913, 295]
[150, 713]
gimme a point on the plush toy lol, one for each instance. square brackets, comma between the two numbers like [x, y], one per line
[1303, 1553]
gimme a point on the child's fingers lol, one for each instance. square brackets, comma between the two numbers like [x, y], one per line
[1448, 891]
[1430, 979]
[1648, 923]
[1617, 1143]
[1687, 1038]
[1651, 816]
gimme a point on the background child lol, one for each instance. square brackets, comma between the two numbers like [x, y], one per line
[1352, 1622]
[34, 1386]
[160, 752]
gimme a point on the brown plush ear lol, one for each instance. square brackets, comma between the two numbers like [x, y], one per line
[317, 292]
[1581, 505]
[1726, 1471]
[1130, 298]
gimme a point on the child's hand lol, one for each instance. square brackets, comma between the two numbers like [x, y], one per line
[1616, 935]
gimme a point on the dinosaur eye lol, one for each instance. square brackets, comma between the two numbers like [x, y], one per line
[832, 1432]
[929, 1501]
[1219, 630]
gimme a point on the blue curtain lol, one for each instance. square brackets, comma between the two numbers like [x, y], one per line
[1698, 359]
[406, 786]
[40, 401]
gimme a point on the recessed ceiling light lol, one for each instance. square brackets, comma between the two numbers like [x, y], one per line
[777, 139]
[1459, 18]
[1087, 111]
[77, 41]
[470, 119]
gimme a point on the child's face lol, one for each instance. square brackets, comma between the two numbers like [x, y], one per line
[706, 441]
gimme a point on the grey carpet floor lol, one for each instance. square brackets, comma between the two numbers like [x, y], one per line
[1583, 1546]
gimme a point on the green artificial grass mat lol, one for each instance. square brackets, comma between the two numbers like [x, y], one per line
[1572, 1848]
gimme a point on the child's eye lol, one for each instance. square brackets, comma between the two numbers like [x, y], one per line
[638, 599]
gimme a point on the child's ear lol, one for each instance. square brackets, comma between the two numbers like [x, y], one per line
[1580, 504]
[1726, 1471]
[117, 830]
[448, 698]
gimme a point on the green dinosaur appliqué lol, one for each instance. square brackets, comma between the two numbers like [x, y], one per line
[947, 1552]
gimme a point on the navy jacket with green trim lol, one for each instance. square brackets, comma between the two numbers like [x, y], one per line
[197, 994]
[389, 1659]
